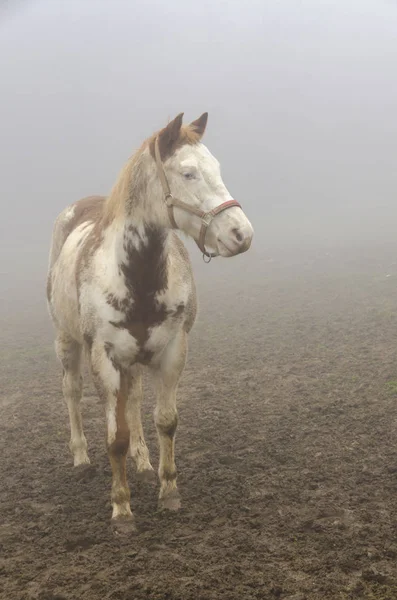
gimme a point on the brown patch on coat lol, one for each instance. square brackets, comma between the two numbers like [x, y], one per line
[144, 357]
[88, 340]
[145, 275]
[89, 209]
[119, 447]
[122, 440]
[179, 310]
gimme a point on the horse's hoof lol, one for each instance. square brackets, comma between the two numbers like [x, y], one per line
[81, 458]
[123, 526]
[85, 472]
[146, 476]
[171, 501]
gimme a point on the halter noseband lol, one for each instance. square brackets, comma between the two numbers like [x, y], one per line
[170, 201]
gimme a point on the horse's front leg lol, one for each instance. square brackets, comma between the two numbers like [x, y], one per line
[138, 448]
[113, 385]
[167, 374]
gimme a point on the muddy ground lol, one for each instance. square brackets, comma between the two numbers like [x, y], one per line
[286, 446]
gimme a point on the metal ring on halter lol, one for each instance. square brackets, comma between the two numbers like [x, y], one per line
[207, 258]
[167, 197]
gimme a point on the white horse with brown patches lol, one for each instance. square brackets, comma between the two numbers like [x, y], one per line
[120, 285]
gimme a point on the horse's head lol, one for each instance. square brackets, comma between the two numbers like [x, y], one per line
[197, 200]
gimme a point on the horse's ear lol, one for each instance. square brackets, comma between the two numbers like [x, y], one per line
[200, 124]
[169, 135]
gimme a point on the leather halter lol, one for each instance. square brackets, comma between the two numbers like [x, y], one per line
[170, 201]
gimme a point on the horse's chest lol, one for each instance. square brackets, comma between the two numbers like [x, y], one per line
[145, 328]
[163, 330]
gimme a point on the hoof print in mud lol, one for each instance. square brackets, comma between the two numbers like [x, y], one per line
[123, 526]
[84, 473]
[171, 502]
[148, 476]
[79, 543]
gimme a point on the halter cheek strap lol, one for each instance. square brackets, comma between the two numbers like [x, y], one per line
[205, 217]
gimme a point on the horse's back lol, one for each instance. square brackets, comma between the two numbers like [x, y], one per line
[87, 209]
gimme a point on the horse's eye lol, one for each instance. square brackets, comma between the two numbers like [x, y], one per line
[188, 175]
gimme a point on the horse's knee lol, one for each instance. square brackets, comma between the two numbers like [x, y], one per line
[68, 352]
[72, 385]
[166, 421]
[120, 445]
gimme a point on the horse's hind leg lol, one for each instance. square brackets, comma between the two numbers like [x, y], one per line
[69, 353]
[138, 448]
[113, 385]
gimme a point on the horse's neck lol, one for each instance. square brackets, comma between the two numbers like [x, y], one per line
[139, 239]
[141, 255]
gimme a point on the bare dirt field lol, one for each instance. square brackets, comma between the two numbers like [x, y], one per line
[286, 447]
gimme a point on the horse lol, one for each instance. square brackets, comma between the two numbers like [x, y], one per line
[121, 292]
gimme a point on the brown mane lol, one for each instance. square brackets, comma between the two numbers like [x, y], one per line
[131, 182]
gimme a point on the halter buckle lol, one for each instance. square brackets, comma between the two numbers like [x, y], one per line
[207, 218]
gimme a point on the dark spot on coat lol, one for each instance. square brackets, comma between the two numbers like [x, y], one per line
[145, 275]
[169, 475]
[88, 340]
[179, 310]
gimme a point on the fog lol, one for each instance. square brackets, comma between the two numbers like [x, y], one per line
[301, 97]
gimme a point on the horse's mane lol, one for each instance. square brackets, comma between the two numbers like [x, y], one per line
[131, 181]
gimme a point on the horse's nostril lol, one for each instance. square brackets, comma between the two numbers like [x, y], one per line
[238, 235]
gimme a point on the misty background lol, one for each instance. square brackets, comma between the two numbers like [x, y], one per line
[301, 95]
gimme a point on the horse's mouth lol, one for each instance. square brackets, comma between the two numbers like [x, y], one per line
[225, 250]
